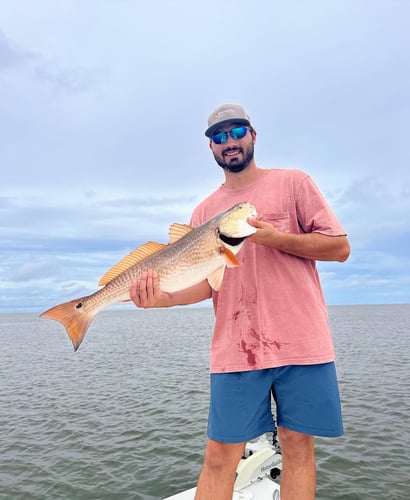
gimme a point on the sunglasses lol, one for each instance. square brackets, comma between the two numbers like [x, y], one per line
[236, 133]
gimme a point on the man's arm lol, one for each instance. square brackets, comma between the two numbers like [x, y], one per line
[315, 246]
[146, 293]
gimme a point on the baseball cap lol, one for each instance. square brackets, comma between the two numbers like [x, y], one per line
[224, 114]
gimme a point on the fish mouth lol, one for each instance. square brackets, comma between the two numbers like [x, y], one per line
[230, 240]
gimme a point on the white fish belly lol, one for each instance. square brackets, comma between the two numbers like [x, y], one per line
[190, 275]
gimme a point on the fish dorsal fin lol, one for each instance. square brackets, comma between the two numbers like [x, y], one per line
[134, 257]
[177, 231]
[229, 256]
[215, 278]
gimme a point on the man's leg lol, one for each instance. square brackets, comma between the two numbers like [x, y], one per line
[298, 479]
[218, 473]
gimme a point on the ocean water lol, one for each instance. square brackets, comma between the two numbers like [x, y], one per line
[125, 417]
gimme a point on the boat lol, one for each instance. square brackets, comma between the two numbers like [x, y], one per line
[260, 465]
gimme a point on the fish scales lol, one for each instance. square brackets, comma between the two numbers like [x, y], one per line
[200, 254]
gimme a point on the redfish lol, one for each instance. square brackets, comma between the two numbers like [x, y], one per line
[192, 255]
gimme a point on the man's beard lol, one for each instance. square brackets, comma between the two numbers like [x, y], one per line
[235, 165]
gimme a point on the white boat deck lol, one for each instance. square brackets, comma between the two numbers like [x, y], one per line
[263, 489]
[253, 479]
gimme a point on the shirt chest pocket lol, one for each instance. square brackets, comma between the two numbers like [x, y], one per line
[279, 220]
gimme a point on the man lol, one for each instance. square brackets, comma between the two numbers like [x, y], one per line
[271, 331]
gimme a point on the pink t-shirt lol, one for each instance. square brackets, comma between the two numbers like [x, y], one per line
[270, 311]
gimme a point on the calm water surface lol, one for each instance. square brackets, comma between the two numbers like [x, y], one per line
[125, 416]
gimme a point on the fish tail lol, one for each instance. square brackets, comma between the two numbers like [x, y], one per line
[75, 316]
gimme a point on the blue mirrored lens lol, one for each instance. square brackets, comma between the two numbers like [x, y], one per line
[220, 138]
[236, 133]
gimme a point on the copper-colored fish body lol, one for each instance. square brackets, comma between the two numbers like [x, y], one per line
[192, 256]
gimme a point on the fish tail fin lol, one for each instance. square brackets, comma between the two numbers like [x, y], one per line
[75, 316]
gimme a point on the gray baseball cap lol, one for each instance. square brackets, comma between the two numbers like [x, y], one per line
[224, 114]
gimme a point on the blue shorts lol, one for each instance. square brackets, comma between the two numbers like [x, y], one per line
[306, 396]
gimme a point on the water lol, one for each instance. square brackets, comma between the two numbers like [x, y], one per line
[125, 416]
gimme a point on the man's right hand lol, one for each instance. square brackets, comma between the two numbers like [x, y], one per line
[146, 292]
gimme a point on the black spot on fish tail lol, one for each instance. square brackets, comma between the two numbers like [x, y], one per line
[79, 305]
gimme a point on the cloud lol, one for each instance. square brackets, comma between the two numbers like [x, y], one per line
[62, 245]
[103, 110]
[18, 62]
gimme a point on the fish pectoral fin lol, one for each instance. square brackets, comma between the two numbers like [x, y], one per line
[134, 257]
[215, 278]
[177, 231]
[229, 256]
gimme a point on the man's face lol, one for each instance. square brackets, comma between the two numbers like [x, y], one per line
[233, 155]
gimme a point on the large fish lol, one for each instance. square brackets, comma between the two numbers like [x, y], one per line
[191, 256]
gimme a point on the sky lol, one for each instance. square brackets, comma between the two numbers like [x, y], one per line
[103, 108]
